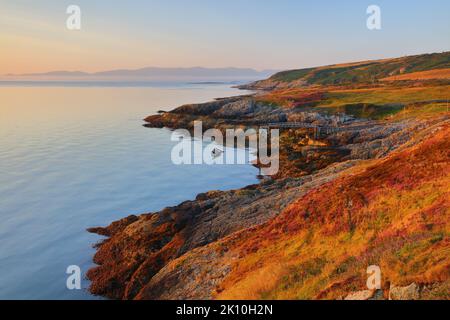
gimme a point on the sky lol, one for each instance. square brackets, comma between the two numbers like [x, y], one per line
[259, 34]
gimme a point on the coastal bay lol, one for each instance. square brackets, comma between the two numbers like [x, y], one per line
[349, 163]
[74, 157]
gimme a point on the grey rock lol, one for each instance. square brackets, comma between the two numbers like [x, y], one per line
[411, 292]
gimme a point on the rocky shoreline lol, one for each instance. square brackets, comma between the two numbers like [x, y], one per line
[363, 181]
[137, 259]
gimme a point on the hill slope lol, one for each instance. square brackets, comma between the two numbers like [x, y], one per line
[391, 212]
[351, 73]
[374, 192]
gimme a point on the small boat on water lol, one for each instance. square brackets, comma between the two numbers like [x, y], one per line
[216, 152]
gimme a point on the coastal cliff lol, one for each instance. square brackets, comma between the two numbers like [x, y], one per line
[375, 192]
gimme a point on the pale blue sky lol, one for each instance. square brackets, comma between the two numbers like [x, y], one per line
[262, 34]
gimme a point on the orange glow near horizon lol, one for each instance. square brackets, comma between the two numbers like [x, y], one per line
[32, 46]
[73, 52]
[244, 34]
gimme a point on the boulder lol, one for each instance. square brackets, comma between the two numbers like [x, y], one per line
[360, 295]
[235, 109]
[411, 292]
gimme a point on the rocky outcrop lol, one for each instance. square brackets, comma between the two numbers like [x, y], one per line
[239, 265]
[220, 114]
[246, 111]
[411, 292]
[203, 109]
[188, 251]
[273, 84]
[365, 295]
[235, 109]
[139, 256]
[138, 247]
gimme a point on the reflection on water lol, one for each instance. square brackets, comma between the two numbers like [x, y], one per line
[73, 158]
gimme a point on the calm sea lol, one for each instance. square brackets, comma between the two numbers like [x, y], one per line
[77, 156]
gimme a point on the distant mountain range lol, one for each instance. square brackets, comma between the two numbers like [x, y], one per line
[153, 73]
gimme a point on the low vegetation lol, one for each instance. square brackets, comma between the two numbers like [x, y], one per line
[365, 72]
[379, 102]
[391, 212]
[376, 193]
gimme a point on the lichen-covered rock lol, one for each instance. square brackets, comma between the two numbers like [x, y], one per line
[360, 295]
[139, 247]
[411, 292]
[235, 109]
[365, 295]
[185, 252]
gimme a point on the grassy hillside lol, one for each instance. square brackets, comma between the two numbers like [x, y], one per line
[369, 89]
[367, 72]
[376, 193]
[392, 212]
[421, 75]
[373, 102]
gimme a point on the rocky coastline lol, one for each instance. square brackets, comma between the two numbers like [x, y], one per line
[372, 190]
[139, 248]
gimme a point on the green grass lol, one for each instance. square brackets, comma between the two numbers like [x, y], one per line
[366, 72]
[386, 96]
[370, 111]
[374, 103]
[292, 75]
[382, 103]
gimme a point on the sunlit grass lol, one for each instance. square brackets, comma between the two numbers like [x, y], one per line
[400, 220]
[381, 96]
